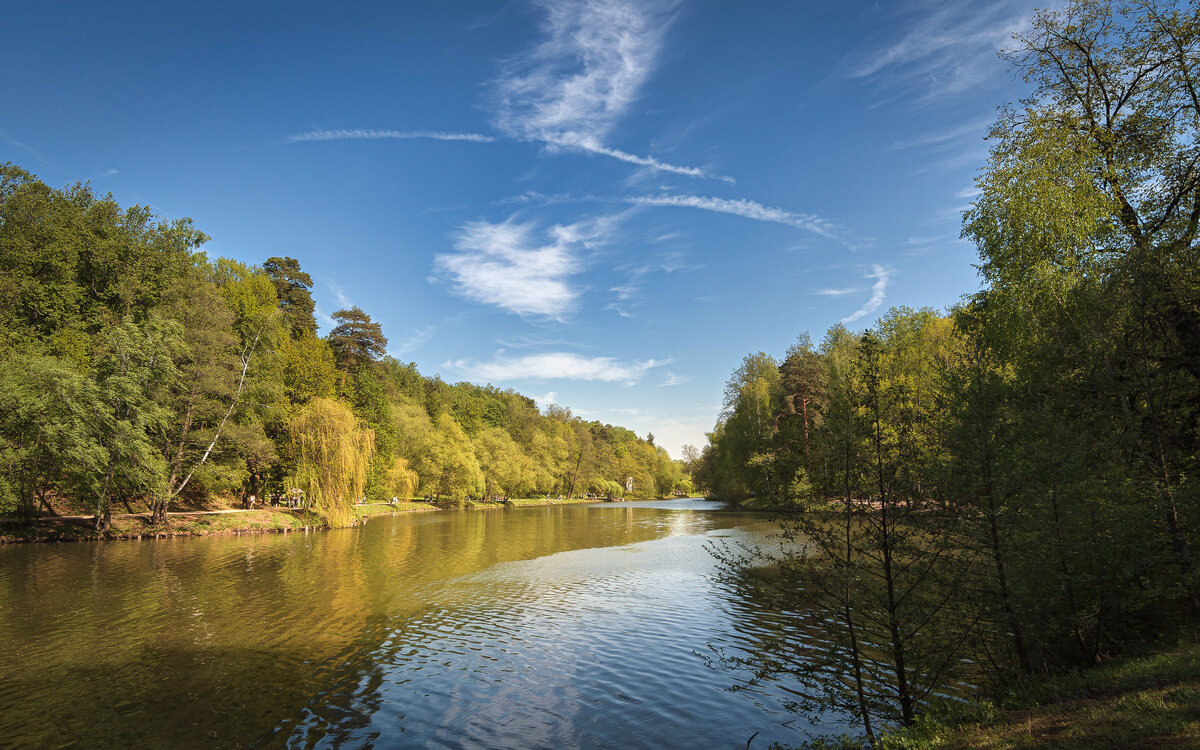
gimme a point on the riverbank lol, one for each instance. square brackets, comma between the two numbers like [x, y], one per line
[1146, 702]
[77, 528]
[138, 526]
[382, 509]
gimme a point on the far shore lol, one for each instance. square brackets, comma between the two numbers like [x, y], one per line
[234, 521]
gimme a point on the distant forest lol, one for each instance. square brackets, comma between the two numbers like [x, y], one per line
[135, 371]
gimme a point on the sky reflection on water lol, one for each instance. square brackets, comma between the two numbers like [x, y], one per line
[547, 627]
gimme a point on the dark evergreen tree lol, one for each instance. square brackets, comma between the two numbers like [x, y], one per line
[293, 287]
[356, 339]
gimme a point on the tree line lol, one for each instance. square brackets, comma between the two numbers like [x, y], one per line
[1011, 488]
[136, 372]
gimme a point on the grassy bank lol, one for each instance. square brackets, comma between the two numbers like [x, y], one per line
[1147, 702]
[383, 509]
[552, 501]
[202, 522]
[139, 526]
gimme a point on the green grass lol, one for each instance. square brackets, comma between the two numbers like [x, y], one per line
[378, 509]
[263, 520]
[61, 530]
[757, 503]
[521, 501]
[1147, 702]
[383, 509]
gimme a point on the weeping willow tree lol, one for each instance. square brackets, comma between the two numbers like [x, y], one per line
[333, 450]
[401, 480]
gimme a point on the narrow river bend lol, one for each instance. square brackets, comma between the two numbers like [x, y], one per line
[545, 627]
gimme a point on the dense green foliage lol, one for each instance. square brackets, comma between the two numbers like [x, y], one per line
[135, 371]
[1011, 488]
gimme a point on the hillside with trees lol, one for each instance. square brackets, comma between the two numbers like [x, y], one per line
[136, 373]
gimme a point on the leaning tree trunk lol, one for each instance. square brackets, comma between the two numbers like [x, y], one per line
[159, 506]
[158, 510]
[102, 521]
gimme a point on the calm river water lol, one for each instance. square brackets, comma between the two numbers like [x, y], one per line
[546, 627]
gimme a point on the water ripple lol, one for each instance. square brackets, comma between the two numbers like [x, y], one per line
[558, 627]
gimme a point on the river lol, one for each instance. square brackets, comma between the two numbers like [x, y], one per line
[543, 627]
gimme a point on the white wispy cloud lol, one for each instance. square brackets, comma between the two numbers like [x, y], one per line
[946, 48]
[951, 213]
[554, 366]
[671, 379]
[571, 89]
[321, 316]
[529, 342]
[974, 130]
[641, 161]
[509, 266]
[415, 340]
[344, 301]
[13, 142]
[838, 292]
[878, 294]
[578, 82]
[625, 292]
[669, 262]
[322, 134]
[546, 399]
[544, 199]
[968, 154]
[747, 209]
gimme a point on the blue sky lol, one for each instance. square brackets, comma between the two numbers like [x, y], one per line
[604, 204]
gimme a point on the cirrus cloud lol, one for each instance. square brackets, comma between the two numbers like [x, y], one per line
[555, 366]
[358, 134]
[576, 84]
[946, 48]
[570, 90]
[747, 209]
[508, 265]
[878, 293]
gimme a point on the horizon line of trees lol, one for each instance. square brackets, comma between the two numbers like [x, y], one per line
[134, 371]
[1012, 488]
